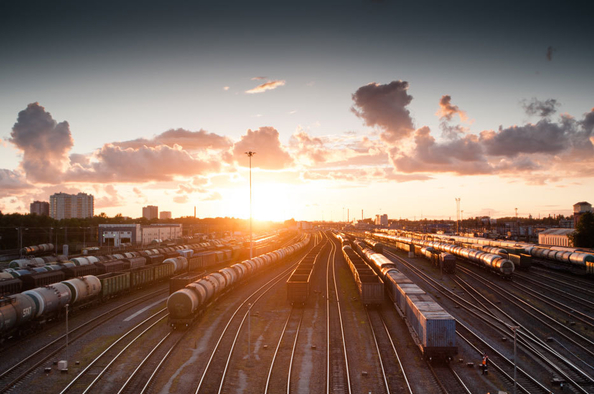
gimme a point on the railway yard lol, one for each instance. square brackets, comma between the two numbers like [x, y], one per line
[324, 313]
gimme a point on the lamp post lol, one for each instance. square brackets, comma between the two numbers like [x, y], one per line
[250, 154]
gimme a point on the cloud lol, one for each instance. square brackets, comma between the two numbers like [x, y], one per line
[138, 192]
[550, 51]
[181, 199]
[189, 140]
[540, 152]
[214, 196]
[12, 182]
[44, 142]
[384, 106]
[447, 110]
[258, 78]
[265, 142]
[226, 88]
[113, 199]
[270, 85]
[115, 164]
[543, 109]
[542, 137]
[462, 156]
[309, 148]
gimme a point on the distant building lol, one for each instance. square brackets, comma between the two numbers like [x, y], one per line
[66, 206]
[566, 223]
[135, 234]
[579, 209]
[165, 215]
[40, 208]
[555, 237]
[150, 212]
[381, 220]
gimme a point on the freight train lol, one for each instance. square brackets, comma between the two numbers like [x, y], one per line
[186, 304]
[26, 274]
[433, 328]
[579, 258]
[25, 312]
[492, 262]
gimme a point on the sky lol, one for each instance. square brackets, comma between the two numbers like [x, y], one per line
[354, 108]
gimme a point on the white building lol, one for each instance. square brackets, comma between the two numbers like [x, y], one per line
[555, 237]
[118, 234]
[66, 206]
[381, 220]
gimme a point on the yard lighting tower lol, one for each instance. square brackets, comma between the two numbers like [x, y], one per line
[250, 154]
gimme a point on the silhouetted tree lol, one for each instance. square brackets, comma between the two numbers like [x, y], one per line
[583, 236]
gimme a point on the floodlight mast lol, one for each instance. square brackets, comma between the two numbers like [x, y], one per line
[250, 154]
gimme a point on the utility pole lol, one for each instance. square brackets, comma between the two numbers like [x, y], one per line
[457, 215]
[250, 154]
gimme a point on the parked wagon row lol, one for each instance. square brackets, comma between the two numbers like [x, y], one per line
[23, 312]
[185, 304]
[369, 284]
[433, 328]
[298, 284]
[492, 262]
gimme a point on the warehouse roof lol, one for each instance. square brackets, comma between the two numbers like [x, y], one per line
[558, 231]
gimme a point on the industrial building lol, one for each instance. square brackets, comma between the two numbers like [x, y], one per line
[150, 212]
[381, 220]
[136, 234]
[40, 208]
[66, 206]
[579, 209]
[555, 237]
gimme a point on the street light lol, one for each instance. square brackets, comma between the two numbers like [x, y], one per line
[250, 154]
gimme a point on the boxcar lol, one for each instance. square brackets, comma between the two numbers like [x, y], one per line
[114, 283]
[40, 279]
[141, 276]
[10, 286]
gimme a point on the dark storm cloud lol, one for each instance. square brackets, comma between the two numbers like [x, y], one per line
[161, 163]
[45, 144]
[542, 137]
[265, 142]
[384, 106]
[550, 51]
[543, 109]
[189, 140]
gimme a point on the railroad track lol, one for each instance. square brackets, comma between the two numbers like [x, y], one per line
[394, 375]
[573, 281]
[16, 373]
[280, 371]
[91, 374]
[213, 377]
[562, 365]
[585, 300]
[532, 383]
[338, 379]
